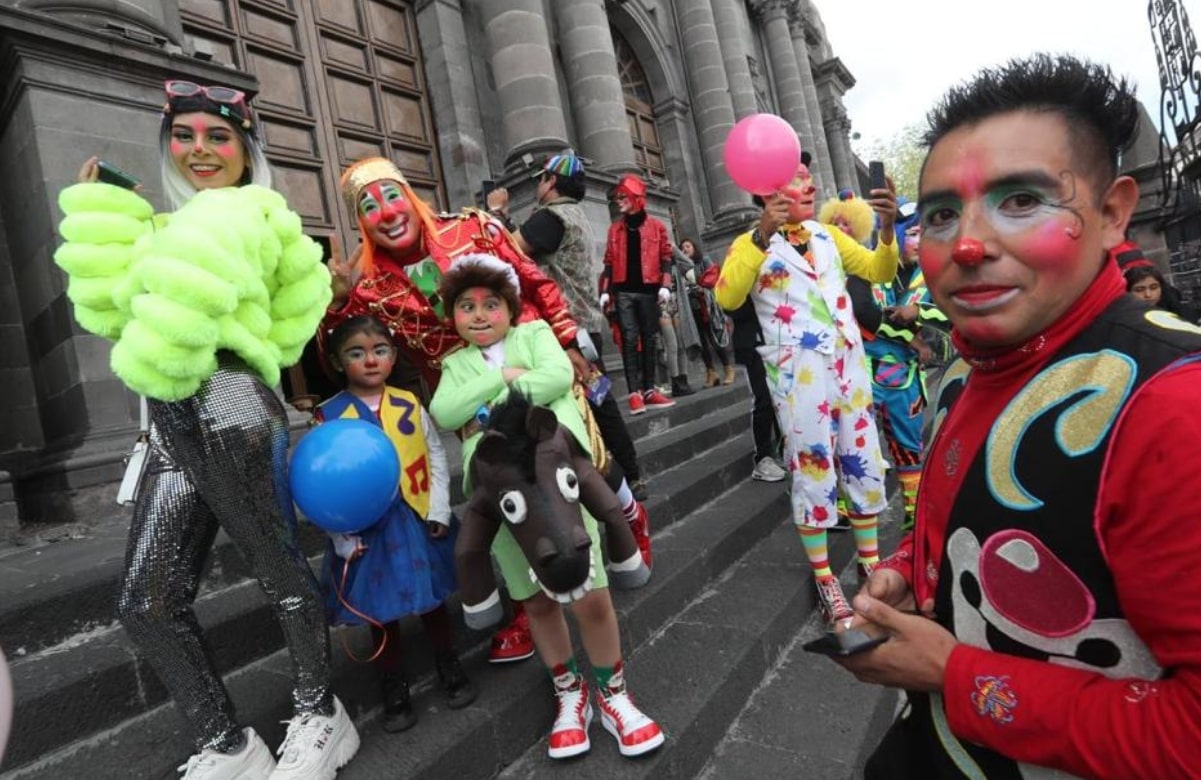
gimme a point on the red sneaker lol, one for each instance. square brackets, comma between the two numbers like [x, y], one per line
[831, 601]
[641, 526]
[637, 405]
[569, 735]
[513, 642]
[635, 733]
[656, 400]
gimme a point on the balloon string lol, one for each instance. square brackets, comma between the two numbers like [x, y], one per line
[338, 590]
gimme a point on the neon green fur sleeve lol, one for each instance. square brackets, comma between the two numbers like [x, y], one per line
[230, 270]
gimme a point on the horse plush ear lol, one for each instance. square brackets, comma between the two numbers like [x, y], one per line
[491, 448]
[541, 423]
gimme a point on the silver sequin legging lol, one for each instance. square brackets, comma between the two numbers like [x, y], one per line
[221, 461]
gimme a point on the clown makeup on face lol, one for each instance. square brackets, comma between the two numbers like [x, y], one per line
[388, 216]
[367, 360]
[913, 240]
[207, 151]
[801, 192]
[482, 316]
[1007, 188]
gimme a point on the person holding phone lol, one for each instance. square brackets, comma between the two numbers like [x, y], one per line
[201, 326]
[1057, 544]
[793, 270]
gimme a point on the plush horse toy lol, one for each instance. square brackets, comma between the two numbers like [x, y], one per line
[530, 474]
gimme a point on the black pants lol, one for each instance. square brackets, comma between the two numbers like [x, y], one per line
[613, 426]
[638, 315]
[763, 416]
[709, 347]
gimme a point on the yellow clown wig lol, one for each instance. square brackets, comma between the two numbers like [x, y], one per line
[368, 171]
[850, 214]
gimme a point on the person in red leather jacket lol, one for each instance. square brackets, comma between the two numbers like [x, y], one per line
[637, 276]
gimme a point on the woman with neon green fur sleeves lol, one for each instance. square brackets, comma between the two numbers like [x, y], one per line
[204, 307]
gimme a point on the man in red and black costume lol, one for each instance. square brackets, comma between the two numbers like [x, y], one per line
[394, 277]
[637, 274]
[1056, 549]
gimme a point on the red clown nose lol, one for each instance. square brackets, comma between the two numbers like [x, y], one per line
[968, 251]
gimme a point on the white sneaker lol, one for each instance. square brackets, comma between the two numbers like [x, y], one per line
[317, 746]
[252, 762]
[767, 470]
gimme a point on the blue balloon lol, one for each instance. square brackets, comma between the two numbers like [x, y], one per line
[344, 475]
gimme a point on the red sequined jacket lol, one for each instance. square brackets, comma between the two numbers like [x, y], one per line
[390, 296]
[655, 249]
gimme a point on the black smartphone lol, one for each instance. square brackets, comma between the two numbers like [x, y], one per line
[111, 174]
[875, 175]
[847, 643]
[487, 186]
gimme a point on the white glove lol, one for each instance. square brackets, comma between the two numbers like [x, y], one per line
[664, 296]
[347, 546]
[604, 300]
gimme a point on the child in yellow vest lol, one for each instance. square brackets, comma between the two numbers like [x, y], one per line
[404, 564]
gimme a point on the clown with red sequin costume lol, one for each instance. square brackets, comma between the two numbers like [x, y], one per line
[405, 251]
[794, 271]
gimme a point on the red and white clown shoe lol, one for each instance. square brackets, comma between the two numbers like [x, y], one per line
[569, 735]
[636, 734]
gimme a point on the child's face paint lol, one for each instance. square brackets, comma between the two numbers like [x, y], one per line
[481, 316]
[1012, 233]
[388, 216]
[207, 151]
[367, 359]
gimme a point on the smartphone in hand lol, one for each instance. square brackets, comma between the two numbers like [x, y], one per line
[485, 187]
[847, 643]
[111, 174]
[875, 175]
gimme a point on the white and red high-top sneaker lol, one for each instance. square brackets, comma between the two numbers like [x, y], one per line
[569, 735]
[636, 734]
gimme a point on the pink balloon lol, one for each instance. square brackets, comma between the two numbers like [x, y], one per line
[762, 153]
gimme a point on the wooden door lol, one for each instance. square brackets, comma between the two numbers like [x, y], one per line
[339, 80]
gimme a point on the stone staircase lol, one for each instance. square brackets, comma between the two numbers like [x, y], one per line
[717, 626]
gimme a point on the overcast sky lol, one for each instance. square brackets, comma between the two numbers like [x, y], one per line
[930, 45]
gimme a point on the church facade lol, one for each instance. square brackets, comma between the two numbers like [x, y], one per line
[456, 92]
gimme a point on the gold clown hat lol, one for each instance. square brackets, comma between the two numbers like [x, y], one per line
[364, 172]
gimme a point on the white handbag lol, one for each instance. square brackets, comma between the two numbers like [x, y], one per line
[135, 462]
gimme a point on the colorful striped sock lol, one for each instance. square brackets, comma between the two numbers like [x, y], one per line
[910, 480]
[866, 544]
[815, 542]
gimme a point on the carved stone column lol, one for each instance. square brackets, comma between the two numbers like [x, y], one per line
[524, 70]
[712, 110]
[597, 101]
[773, 16]
[833, 81]
[821, 166]
[727, 18]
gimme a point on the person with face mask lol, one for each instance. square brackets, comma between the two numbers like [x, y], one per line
[637, 275]
[793, 269]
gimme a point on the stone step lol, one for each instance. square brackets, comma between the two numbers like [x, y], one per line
[95, 681]
[515, 706]
[696, 671]
[52, 593]
[807, 717]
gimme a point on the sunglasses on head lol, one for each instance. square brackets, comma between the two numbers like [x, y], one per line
[222, 96]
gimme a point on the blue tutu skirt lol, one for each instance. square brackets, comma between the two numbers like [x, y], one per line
[404, 571]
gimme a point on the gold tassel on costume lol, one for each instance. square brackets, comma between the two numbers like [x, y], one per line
[600, 456]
